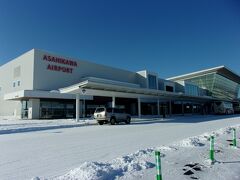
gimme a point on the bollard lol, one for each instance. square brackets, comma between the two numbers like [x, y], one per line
[212, 148]
[158, 165]
[234, 141]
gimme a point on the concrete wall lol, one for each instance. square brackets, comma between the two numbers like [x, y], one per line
[30, 72]
[19, 69]
[45, 79]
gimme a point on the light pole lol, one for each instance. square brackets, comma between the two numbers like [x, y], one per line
[83, 91]
[77, 107]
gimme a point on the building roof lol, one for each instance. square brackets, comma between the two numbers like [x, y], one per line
[98, 84]
[222, 70]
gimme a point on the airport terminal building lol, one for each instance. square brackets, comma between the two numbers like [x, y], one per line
[40, 84]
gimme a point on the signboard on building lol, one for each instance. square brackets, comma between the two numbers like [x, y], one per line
[60, 64]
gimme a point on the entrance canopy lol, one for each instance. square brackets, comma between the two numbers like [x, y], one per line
[105, 87]
[33, 94]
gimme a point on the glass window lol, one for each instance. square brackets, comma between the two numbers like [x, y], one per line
[24, 109]
[19, 83]
[14, 84]
[98, 110]
[161, 86]
[169, 88]
[152, 82]
[56, 109]
[191, 89]
[57, 105]
[46, 104]
[218, 86]
[69, 106]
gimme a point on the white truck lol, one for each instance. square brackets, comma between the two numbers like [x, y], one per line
[111, 115]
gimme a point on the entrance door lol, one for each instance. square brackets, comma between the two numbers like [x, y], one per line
[24, 109]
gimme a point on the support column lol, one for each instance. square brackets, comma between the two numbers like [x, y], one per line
[139, 108]
[158, 107]
[77, 107]
[34, 109]
[113, 102]
[170, 108]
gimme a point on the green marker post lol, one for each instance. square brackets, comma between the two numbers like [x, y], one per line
[234, 141]
[158, 165]
[212, 148]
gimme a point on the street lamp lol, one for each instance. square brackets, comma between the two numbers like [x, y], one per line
[83, 91]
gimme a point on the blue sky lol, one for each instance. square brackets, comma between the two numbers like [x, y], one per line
[170, 37]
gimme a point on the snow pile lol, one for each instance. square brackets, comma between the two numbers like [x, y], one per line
[201, 140]
[134, 165]
[115, 168]
[166, 148]
[91, 170]
[36, 178]
[190, 142]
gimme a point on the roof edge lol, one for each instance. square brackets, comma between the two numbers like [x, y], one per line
[197, 72]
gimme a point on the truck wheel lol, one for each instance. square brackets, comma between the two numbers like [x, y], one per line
[112, 121]
[100, 122]
[128, 120]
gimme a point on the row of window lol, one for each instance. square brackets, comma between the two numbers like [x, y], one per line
[152, 84]
[16, 83]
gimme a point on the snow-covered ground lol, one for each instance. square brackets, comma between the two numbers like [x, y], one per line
[186, 159]
[11, 126]
[118, 152]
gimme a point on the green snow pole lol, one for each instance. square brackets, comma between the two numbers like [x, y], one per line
[158, 165]
[212, 149]
[234, 142]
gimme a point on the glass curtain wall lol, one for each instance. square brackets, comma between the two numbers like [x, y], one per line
[57, 109]
[191, 89]
[217, 86]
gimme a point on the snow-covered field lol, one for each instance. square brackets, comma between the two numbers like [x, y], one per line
[11, 126]
[186, 159]
[68, 150]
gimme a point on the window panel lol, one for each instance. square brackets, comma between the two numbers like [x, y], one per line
[152, 82]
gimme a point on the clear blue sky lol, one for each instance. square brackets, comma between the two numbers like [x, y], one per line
[169, 37]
